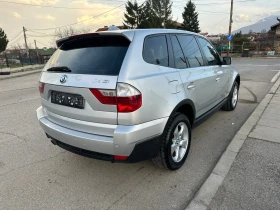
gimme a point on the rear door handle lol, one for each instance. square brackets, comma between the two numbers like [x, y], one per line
[218, 79]
[192, 86]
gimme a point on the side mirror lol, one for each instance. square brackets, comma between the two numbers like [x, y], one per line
[226, 60]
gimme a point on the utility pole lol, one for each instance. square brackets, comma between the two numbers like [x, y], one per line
[230, 24]
[36, 51]
[26, 47]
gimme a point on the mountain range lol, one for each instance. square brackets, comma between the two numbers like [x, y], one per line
[262, 24]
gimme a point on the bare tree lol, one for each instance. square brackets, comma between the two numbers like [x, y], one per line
[65, 32]
[16, 47]
[69, 31]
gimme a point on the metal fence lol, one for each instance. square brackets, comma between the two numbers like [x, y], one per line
[18, 60]
[259, 48]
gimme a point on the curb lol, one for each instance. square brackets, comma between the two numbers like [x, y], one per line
[20, 74]
[258, 57]
[207, 191]
[23, 69]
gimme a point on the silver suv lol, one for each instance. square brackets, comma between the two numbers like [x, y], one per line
[133, 95]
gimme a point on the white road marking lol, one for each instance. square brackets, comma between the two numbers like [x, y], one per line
[276, 76]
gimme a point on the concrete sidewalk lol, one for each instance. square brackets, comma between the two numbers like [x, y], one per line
[247, 175]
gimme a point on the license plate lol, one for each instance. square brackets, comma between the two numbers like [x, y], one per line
[68, 99]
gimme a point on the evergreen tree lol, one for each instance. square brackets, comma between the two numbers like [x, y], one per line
[151, 22]
[147, 15]
[239, 38]
[190, 18]
[162, 12]
[3, 40]
[150, 14]
[134, 14]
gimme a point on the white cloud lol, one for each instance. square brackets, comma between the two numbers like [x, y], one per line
[16, 15]
[243, 18]
[113, 17]
[101, 21]
[46, 17]
[40, 2]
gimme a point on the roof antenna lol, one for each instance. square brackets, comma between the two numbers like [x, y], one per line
[113, 28]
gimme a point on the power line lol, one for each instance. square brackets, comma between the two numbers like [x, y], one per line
[42, 43]
[44, 29]
[15, 36]
[99, 24]
[93, 26]
[211, 4]
[237, 23]
[39, 33]
[47, 6]
[219, 22]
[15, 41]
[213, 12]
[205, 12]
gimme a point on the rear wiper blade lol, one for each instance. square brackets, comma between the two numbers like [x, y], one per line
[60, 69]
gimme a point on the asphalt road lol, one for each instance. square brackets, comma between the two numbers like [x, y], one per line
[34, 174]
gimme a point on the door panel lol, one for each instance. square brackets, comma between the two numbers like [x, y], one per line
[197, 78]
[220, 84]
[198, 83]
[213, 59]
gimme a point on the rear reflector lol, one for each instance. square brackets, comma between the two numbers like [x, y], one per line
[126, 98]
[118, 157]
[41, 87]
[109, 98]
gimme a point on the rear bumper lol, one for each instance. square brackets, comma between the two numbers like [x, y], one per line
[139, 142]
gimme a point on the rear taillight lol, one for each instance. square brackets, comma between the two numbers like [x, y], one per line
[126, 98]
[41, 87]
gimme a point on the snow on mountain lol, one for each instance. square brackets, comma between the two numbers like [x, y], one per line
[264, 23]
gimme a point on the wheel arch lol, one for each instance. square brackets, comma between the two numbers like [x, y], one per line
[237, 79]
[186, 107]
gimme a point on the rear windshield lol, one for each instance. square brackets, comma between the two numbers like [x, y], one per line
[95, 55]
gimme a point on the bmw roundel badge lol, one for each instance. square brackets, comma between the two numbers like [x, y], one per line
[63, 79]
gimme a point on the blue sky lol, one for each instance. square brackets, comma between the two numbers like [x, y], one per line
[213, 15]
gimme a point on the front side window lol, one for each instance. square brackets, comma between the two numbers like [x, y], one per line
[210, 52]
[191, 50]
[156, 51]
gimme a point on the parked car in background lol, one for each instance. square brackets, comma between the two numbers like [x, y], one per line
[133, 95]
[14, 61]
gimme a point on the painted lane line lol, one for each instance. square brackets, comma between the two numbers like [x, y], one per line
[276, 76]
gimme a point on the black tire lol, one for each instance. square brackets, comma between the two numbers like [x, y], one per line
[229, 106]
[164, 158]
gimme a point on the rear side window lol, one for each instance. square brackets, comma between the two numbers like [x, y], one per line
[96, 55]
[210, 52]
[155, 50]
[180, 61]
[191, 50]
